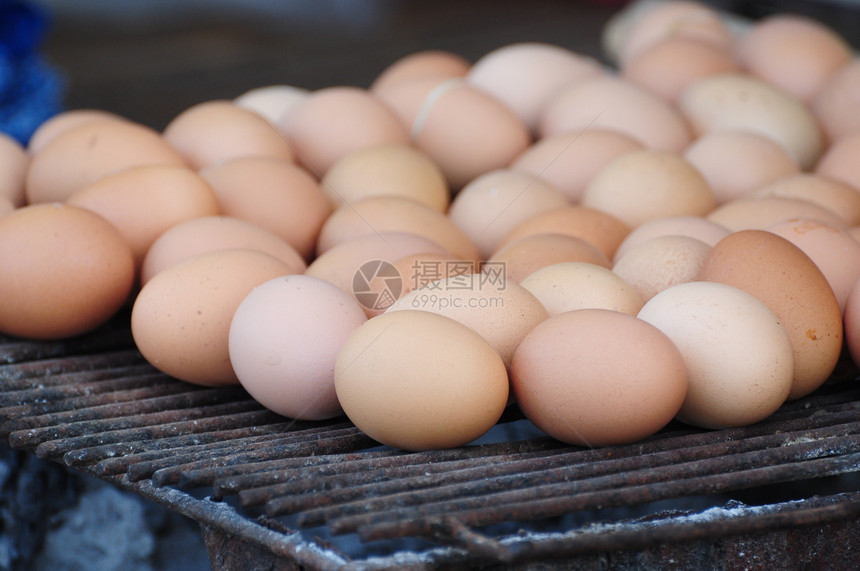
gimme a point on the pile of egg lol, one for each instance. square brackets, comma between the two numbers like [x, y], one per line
[607, 248]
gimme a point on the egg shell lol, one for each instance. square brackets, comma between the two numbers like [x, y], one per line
[421, 64]
[782, 277]
[525, 75]
[760, 212]
[274, 194]
[180, 320]
[692, 226]
[214, 131]
[66, 271]
[836, 103]
[738, 101]
[395, 169]
[377, 214]
[63, 121]
[669, 66]
[419, 269]
[648, 184]
[834, 251]
[735, 163]
[794, 52]
[596, 377]
[567, 286]
[271, 102]
[416, 380]
[335, 121]
[283, 341]
[600, 229]
[212, 233]
[737, 353]
[840, 161]
[14, 161]
[568, 161]
[831, 194]
[6, 206]
[79, 155]
[144, 202]
[661, 262]
[610, 102]
[489, 207]
[501, 312]
[527, 255]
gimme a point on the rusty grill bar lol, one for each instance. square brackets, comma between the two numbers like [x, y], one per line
[275, 484]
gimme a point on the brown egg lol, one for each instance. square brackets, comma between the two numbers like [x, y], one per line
[379, 214]
[526, 255]
[660, 263]
[602, 230]
[782, 277]
[66, 271]
[212, 233]
[525, 75]
[648, 184]
[79, 155]
[144, 202]
[596, 377]
[427, 63]
[836, 102]
[836, 196]
[668, 67]
[568, 161]
[840, 161]
[14, 161]
[395, 169]
[6, 206]
[274, 194]
[272, 102]
[609, 102]
[833, 250]
[691, 226]
[502, 312]
[336, 121]
[757, 213]
[181, 317]
[418, 269]
[215, 131]
[793, 52]
[63, 121]
[489, 207]
[735, 163]
[417, 380]
[464, 130]
[567, 286]
[739, 101]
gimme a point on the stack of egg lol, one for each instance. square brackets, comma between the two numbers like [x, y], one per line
[608, 249]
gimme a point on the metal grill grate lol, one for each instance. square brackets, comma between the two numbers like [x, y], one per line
[241, 471]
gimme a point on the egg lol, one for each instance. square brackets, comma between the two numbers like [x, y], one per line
[736, 351]
[6, 206]
[648, 184]
[212, 233]
[14, 161]
[759, 212]
[840, 161]
[530, 253]
[793, 52]
[788, 282]
[596, 377]
[612, 103]
[66, 271]
[335, 121]
[696, 227]
[568, 161]
[421, 64]
[660, 263]
[274, 194]
[418, 269]
[144, 202]
[501, 312]
[831, 194]
[736, 162]
[568, 286]
[836, 102]
[376, 214]
[63, 121]
[416, 380]
[79, 155]
[271, 102]
[181, 318]
[525, 75]
[283, 341]
[489, 207]
[738, 101]
[394, 169]
[852, 323]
